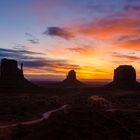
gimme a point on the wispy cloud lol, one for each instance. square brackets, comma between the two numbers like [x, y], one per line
[110, 22]
[126, 57]
[28, 34]
[18, 53]
[131, 42]
[32, 61]
[109, 27]
[85, 50]
[29, 58]
[32, 39]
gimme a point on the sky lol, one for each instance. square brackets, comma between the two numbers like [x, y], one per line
[51, 37]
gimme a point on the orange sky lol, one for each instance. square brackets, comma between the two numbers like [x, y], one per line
[95, 50]
[91, 37]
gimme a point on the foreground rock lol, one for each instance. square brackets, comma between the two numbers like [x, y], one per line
[71, 80]
[124, 77]
[11, 77]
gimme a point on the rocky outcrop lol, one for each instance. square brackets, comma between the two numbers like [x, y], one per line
[71, 79]
[10, 70]
[71, 76]
[125, 74]
[124, 77]
[11, 77]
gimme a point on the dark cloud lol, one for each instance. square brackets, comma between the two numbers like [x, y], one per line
[50, 65]
[30, 60]
[60, 32]
[126, 57]
[17, 54]
[42, 62]
[28, 34]
[58, 66]
[18, 51]
[33, 41]
[35, 63]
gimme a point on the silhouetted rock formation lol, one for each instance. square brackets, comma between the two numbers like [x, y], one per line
[125, 74]
[124, 77]
[10, 71]
[71, 79]
[11, 76]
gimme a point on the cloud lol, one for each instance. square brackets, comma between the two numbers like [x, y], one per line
[129, 42]
[110, 23]
[109, 27]
[85, 50]
[36, 63]
[17, 54]
[18, 51]
[128, 58]
[33, 41]
[47, 66]
[125, 57]
[50, 63]
[28, 34]
[133, 44]
[60, 32]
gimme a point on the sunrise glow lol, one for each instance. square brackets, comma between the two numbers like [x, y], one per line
[52, 37]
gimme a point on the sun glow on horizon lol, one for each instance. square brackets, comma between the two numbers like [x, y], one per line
[91, 37]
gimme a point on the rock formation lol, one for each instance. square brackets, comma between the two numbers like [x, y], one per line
[10, 71]
[71, 79]
[124, 77]
[11, 76]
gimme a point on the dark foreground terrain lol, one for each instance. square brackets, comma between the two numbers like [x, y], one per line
[91, 114]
